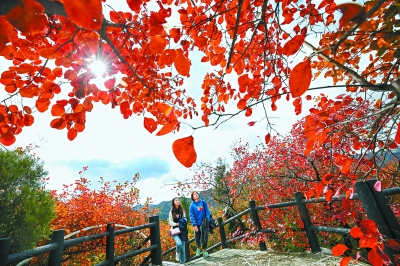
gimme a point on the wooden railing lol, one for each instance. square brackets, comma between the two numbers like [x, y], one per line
[58, 245]
[374, 203]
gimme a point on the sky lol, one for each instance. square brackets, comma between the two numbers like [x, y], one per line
[116, 149]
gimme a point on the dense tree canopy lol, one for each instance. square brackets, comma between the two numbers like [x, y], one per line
[26, 207]
[147, 62]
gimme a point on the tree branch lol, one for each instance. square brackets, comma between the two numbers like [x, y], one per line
[348, 33]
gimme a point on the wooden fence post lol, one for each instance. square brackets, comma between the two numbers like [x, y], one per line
[187, 251]
[256, 220]
[305, 217]
[110, 244]
[379, 211]
[155, 240]
[5, 245]
[222, 233]
[55, 257]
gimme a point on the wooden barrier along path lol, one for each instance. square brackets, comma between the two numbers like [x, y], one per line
[375, 205]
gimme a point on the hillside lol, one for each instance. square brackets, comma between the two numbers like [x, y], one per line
[165, 206]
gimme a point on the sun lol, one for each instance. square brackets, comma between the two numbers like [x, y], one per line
[98, 67]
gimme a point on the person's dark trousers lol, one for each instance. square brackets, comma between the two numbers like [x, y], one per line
[197, 237]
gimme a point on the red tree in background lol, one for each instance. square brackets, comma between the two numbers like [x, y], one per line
[79, 207]
[252, 40]
[317, 163]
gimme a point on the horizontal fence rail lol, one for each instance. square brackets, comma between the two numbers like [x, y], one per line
[309, 228]
[58, 245]
[374, 203]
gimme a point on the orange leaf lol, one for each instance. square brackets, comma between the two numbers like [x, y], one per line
[327, 178]
[42, 104]
[135, 5]
[293, 45]
[28, 18]
[28, 120]
[150, 124]
[345, 261]
[58, 123]
[90, 20]
[7, 139]
[339, 249]
[184, 151]
[356, 232]
[318, 190]
[182, 63]
[168, 127]
[57, 110]
[29, 91]
[329, 195]
[72, 133]
[27, 109]
[351, 12]
[242, 104]
[300, 78]
[157, 44]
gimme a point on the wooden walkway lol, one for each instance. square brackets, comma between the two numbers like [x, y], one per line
[236, 257]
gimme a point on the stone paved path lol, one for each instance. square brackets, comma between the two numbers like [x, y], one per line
[236, 257]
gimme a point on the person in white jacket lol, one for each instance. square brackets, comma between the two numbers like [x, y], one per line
[176, 213]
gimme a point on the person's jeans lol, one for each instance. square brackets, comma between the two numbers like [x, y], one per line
[180, 248]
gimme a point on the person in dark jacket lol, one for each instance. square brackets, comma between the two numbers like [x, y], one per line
[177, 218]
[200, 218]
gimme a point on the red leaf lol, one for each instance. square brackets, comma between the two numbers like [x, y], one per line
[184, 151]
[72, 133]
[28, 18]
[7, 139]
[168, 127]
[356, 232]
[293, 45]
[182, 63]
[90, 20]
[157, 44]
[252, 123]
[393, 244]
[345, 261]
[327, 178]
[300, 78]
[28, 120]
[5, 30]
[351, 12]
[57, 110]
[339, 249]
[150, 124]
[346, 204]
[267, 138]
[318, 190]
[329, 195]
[368, 227]
[368, 242]
[135, 5]
[374, 258]
[397, 137]
[242, 104]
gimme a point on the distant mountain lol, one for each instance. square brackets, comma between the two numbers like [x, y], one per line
[165, 206]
